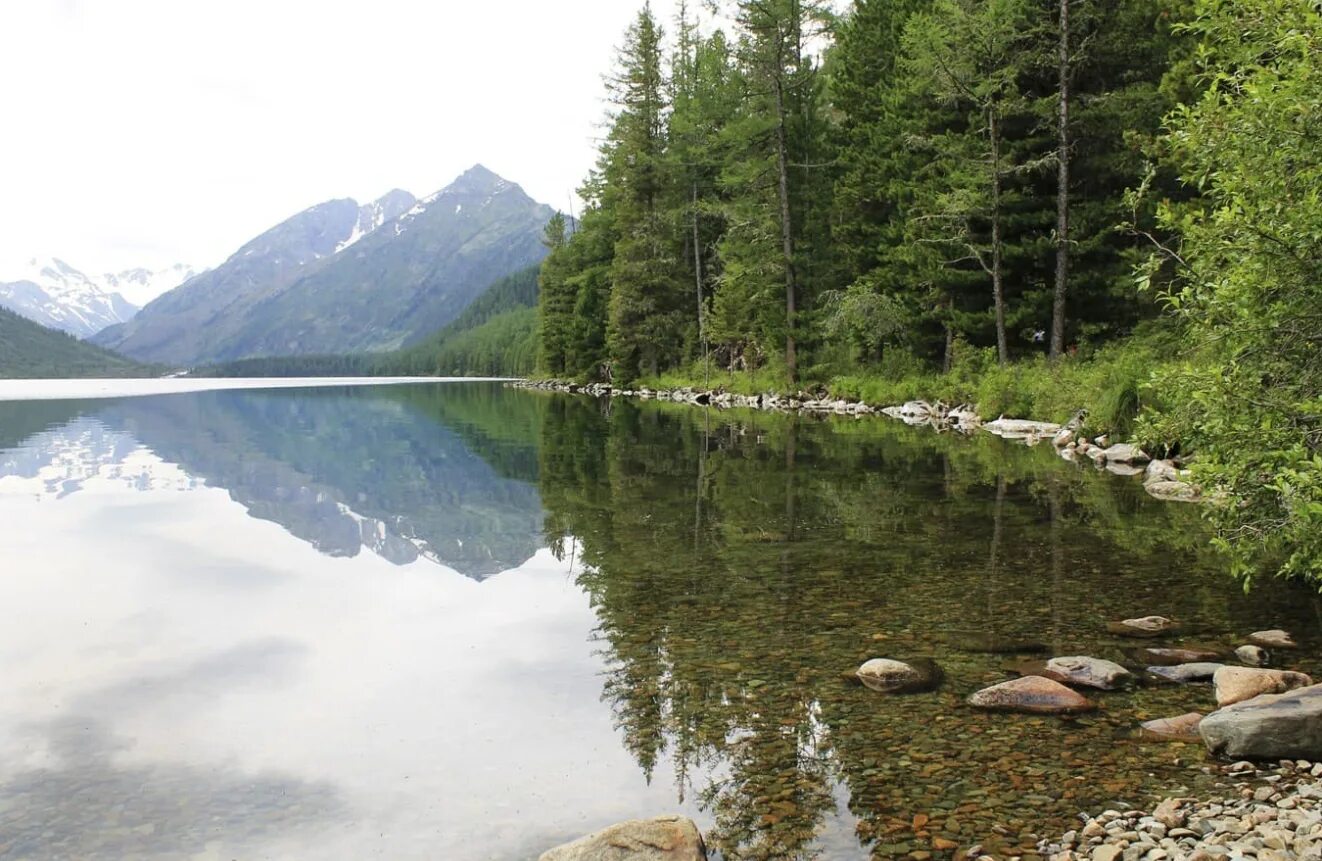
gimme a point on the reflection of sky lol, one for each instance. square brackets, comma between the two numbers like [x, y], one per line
[183, 678]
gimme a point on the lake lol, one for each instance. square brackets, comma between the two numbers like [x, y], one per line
[454, 620]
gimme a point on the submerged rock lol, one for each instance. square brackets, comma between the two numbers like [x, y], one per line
[1173, 656]
[1237, 684]
[1182, 728]
[1034, 694]
[983, 642]
[1185, 673]
[665, 838]
[1275, 726]
[1273, 639]
[1087, 672]
[1145, 626]
[1254, 656]
[889, 676]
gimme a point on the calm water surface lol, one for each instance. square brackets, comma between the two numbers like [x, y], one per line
[463, 622]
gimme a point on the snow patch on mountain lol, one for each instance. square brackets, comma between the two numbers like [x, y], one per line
[140, 286]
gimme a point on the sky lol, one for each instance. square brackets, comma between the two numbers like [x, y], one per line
[150, 132]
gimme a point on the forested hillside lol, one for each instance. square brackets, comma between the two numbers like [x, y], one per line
[31, 351]
[1028, 203]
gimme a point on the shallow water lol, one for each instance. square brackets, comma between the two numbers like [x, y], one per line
[454, 620]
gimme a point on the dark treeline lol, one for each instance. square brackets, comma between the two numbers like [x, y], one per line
[808, 190]
[915, 187]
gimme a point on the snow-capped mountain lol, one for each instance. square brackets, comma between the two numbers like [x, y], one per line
[140, 286]
[55, 294]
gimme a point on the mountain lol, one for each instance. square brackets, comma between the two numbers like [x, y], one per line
[29, 350]
[140, 286]
[201, 318]
[55, 294]
[340, 278]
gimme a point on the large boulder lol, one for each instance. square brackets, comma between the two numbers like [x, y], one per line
[1275, 726]
[1237, 684]
[1144, 626]
[1020, 428]
[1035, 694]
[1185, 673]
[1160, 470]
[665, 838]
[1087, 672]
[889, 676]
[1173, 491]
[1182, 728]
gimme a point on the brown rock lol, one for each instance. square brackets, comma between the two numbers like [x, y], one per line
[1237, 684]
[665, 838]
[1087, 672]
[889, 676]
[1182, 728]
[1168, 813]
[1273, 639]
[1145, 626]
[1033, 694]
[1171, 656]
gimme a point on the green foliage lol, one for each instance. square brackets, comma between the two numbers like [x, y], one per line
[1250, 278]
[31, 351]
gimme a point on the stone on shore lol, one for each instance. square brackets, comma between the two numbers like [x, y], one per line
[1087, 672]
[1254, 656]
[1274, 639]
[888, 676]
[1125, 453]
[1181, 728]
[1273, 726]
[1237, 684]
[664, 838]
[1173, 491]
[1160, 470]
[1033, 694]
[1146, 626]
[1020, 428]
[1186, 673]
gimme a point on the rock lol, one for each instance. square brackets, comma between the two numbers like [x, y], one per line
[1063, 437]
[1123, 469]
[1126, 453]
[1034, 694]
[1182, 728]
[1107, 852]
[1168, 813]
[1237, 684]
[1088, 672]
[1172, 656]
[1254, 656]
[1160, 470]
[665, 838]
[1020, 428]
[1146, 626]
[889, 676]
[1173, 491]
[1186, 673]
[1268, 727]
[1274, 639]
[989, 643]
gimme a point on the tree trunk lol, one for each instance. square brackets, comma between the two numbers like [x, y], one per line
[1062, 187]
[697, 278]
[950, 349]
[998, 289]
[786, 235]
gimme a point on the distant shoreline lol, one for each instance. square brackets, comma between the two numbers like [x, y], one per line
[91, 389]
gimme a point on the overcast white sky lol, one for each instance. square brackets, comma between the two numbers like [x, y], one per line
[148, 132]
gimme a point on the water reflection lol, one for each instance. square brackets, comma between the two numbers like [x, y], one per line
[465, 622]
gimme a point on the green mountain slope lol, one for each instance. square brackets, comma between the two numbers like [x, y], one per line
[30, 351]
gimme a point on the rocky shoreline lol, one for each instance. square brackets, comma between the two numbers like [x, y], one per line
[1162, 479]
